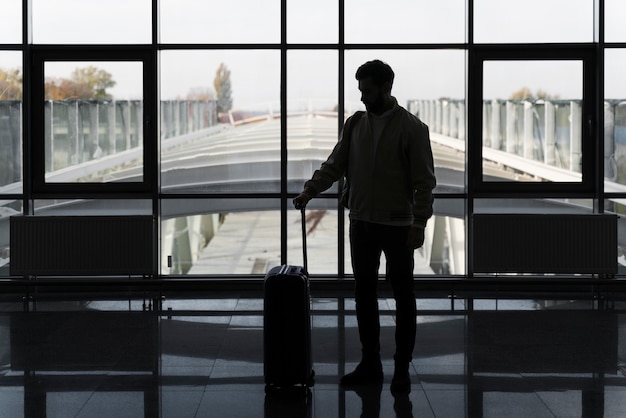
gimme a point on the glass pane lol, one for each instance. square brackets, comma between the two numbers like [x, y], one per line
[615, 121]
[529, 206]
[322, 246]
[8, 208]
[402, 21]
[92, 207]
[243, 21]
[220, 132]
[312, 21]
[11, 27]
[92, 22]
[443, 252]
[94, 128]
[224, 236]
[312, 126]
[431, 85]
[614, 12]
[532, 121]
[497, 21]
[618, 206]
[10, 122]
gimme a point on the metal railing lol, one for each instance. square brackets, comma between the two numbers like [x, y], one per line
[545, 131]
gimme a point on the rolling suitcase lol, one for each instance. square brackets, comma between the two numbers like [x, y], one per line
[287, 325]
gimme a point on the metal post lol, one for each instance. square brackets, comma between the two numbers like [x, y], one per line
[72, 132]
[94, 134]
[461, 130]
[127, 123]
[438, 116]
[139, 119]
[111, 127]
[445, 117]
[496, 139]
[487, 140]
[550, 135]
[49, 136]
[430, 111]
[529, 135]
[575, 136]
[610, 172]
[178, 105]
[165, 125]
[454, 119]
[511, 137]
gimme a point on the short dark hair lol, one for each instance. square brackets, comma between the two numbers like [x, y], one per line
[379, 71]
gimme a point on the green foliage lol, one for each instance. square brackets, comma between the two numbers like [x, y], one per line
[88, 83]
[11, 84]
[526, 94]
[200, 93]
[222, 86]
[97, 80]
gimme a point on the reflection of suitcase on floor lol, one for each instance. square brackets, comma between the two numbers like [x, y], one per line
[287, 325]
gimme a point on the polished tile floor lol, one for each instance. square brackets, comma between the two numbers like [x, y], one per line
[204, 358]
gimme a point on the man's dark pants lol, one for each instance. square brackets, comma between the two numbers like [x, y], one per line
[367, 241]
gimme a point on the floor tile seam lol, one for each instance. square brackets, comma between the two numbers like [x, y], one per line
[197, 411]
[430, 404]
[543, 402]
[80, 410]
[222, 343]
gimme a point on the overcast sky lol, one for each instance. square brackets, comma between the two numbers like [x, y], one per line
[312, 75]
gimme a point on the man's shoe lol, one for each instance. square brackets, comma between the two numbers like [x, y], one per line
[401, 381]
[364, 374]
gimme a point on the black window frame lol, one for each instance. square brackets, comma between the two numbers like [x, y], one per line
[149, 183]
[587, 187]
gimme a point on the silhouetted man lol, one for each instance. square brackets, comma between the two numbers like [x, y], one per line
[387, 160]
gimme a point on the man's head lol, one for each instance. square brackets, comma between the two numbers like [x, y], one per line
[375, 81]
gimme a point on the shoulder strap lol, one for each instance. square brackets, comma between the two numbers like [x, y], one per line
[353, 121]
[347, 135]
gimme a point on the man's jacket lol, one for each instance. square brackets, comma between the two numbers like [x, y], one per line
[392, 185]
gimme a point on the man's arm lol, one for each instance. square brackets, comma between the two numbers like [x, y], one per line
[423, 178]
[329, 172]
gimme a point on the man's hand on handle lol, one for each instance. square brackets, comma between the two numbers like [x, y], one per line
[300, 201]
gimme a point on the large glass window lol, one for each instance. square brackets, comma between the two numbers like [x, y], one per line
[405, 22]
[312, 106]
[11, 28]
[312, 21]
[532, 121]
[615, 10]
[243, 21]
[431, 85]
[91, 207]
[512, 116]
[220, 236]
[94, 121]
[444, 249]
[91, 22]
[220, 122]
[533, 21]
[11, 114]
[614, 121]
[92, 113]
[535, 116]
[8, 208]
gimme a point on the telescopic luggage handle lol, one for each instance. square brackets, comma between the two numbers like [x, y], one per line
[304, 253]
